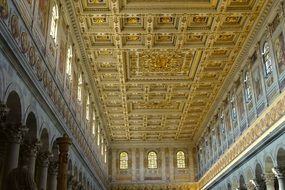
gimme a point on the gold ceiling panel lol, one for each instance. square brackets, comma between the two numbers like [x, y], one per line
[159, 64]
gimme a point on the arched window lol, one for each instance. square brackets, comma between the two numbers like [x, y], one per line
[247, 87]
[152, 160]
[267, 59]
[94, 123]
[233, 109]
[79, 89]
[98, 136]
[124, 161]
[105, 153]
[87, 114]
[54, 22]
[222, 124]
[68, 69]
[180, 159]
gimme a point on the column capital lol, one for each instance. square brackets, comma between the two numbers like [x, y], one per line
[53, 167]
[43, 158]
[63, 143]
[15, 132]
[4, 110]
[30, 149]
[268, 177]
[279, 172]
[255, 183]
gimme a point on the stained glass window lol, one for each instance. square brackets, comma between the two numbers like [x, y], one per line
[152, 160]
[123, 160]
[180, 159]
[267, 59]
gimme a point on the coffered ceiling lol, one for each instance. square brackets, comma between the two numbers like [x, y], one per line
[159, 64]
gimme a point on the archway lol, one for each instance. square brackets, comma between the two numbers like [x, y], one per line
[259, 175]
[14, 105]
[281, 158]
[242, 185]
[229, 186]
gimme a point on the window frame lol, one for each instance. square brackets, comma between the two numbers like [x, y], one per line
[152, 160]
[247, 88]
[267, 59]
[79, 88]
[180, 160]
[124, 161]
[54, 22]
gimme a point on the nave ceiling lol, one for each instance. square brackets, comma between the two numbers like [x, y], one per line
[159, 65]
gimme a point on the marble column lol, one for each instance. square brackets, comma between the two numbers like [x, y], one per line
[52, 175]
[63, 144]
[14, 133]
[30, 150]
[43, 162]
[279, 173]
[269, 180]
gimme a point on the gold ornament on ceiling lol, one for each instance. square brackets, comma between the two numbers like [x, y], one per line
[100, 20]
[133, 20]
[161, 62]
[166, 20]
[233, 20]
[156, 105]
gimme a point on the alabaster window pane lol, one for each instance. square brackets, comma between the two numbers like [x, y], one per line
[123, 160]
[152, 160]
[180, 159]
